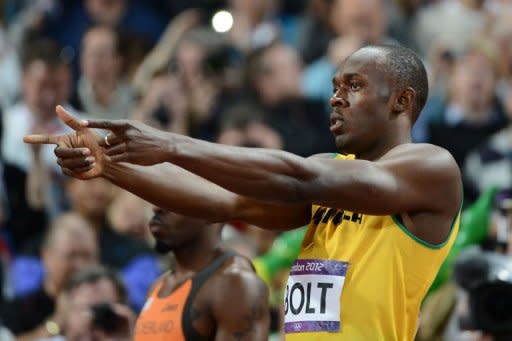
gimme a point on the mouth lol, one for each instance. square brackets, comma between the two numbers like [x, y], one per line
[337, 123]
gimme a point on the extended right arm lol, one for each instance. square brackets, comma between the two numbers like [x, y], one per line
[178, 190]
[166, 185]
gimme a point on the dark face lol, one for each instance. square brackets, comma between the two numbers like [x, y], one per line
[173, 231]
[361, 102]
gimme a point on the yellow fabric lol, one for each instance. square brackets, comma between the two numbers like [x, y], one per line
[388, 275]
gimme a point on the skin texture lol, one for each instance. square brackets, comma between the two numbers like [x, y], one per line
[275, 189]
[194, 244]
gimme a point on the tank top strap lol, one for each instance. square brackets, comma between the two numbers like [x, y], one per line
[156, 289]
[202, 276]
[197, 282]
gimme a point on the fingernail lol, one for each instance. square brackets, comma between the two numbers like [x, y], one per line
[90, 159]
[86, 152]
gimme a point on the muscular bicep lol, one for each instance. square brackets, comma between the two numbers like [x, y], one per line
[241, 310]
[407, 179]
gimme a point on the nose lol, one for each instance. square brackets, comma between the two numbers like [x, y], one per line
[338, 100]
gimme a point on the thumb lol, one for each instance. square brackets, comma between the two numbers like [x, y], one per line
[68, 119]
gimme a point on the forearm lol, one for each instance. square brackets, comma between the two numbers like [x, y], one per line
[175, 189]
[263, 174]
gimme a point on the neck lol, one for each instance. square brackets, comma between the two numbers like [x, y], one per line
[195, 256]
[389, 140]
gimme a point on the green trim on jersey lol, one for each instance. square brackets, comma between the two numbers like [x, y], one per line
[423, 242]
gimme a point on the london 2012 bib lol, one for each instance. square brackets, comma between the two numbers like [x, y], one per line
[312, 295]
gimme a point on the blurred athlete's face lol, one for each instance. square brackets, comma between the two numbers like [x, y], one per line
[174, 231]
[360, 102]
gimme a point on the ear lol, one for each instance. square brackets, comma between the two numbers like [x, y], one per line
[405, 101]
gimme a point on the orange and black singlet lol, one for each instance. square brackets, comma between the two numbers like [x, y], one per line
[169, 318]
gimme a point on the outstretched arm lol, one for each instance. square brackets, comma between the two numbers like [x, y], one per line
[168, 186]
[408, 178]
[173, 188]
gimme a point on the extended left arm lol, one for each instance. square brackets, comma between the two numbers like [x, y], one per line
[407, 178]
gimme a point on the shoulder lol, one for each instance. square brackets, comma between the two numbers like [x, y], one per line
[424, 163]
[427, 169]
[238, 283]
[239, 279]
[157, 283]
[423, 156]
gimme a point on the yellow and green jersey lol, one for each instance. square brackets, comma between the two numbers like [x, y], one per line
[359, 277]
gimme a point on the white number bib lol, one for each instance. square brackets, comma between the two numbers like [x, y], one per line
[312, 296]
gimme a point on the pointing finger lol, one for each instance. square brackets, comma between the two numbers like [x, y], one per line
[68, 119]
[42, 139]
[114, 125]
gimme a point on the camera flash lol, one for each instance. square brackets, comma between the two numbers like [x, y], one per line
[222, 21]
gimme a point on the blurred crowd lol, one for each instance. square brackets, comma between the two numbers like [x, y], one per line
[259, 74]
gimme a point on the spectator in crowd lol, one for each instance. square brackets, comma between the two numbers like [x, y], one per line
[315, 31]
[243, 125]
[128, 215]
[454, 23]
[353, 27]
[10, 70]
[46, 81]
[164, 105]
[160, 56]
[69, 246]
[101, 90]
[133, 258]
[274, 74]
[95, 307]
[254, 23]
[136, 20]
[471, 112]
[19, 220]
[490, 165]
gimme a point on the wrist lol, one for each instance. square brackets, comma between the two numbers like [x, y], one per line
[111, 170]
[170, 150]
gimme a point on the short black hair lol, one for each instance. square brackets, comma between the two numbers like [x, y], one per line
[95, 274]
[46, 50]
[407, 70]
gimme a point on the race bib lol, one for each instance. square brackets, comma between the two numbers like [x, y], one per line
[312, 295]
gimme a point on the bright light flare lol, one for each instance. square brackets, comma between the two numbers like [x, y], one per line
[222, 21]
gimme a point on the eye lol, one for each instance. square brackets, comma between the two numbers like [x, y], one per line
[354, 85]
